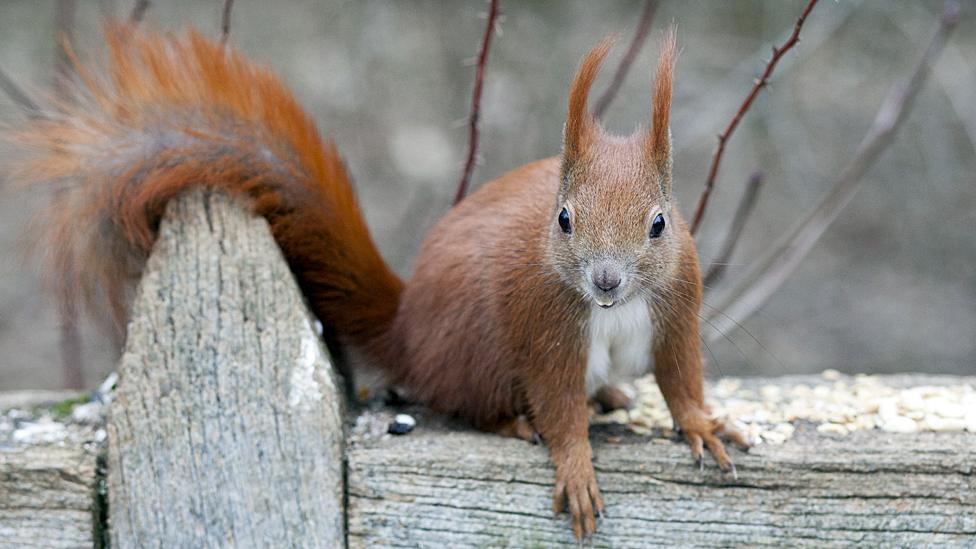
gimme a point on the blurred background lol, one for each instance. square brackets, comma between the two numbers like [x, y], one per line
[891, 287]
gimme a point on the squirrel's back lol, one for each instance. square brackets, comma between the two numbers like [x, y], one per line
[482, 282]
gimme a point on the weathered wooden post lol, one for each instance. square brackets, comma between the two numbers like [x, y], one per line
[226, 426]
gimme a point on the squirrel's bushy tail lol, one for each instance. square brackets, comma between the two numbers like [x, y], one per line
[169, 113]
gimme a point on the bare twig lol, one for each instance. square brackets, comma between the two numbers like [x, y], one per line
[107, 9]
[69, 340]
[954, 72]
[479, 78]
[640, 35]
[717, 271]
[17, 94]
[138, 11]
[72, 366]
[702, 101]
[64, 23]
[756, 88]
[225, 21]
[769, 272]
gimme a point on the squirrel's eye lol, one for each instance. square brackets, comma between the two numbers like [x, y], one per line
[657, 226]
[564, 221]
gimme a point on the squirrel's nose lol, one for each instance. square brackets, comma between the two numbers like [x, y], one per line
[606, 278]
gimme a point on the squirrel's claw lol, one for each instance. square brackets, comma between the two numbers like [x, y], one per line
[585, 503]
[735, 437]
[519, 427]
[702, 432]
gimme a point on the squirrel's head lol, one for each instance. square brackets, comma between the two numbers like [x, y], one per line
[612, 231]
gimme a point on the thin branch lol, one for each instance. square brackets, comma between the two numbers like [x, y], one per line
[761, 83]
[69, 338]
[139, 11]
[225, 21]
[479, 78]
[742, 212]
[17, 94]
[107, 9]
[64, 23]
[769, 273]
[829, 23]
[69, 344]
[640, 36]
[955, 74]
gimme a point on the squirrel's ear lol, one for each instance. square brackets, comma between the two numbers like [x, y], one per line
[658, 142]
[580, 124]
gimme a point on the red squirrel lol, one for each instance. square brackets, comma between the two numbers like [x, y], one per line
[547, 283]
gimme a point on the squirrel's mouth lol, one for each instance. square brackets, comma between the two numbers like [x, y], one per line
[605, 300]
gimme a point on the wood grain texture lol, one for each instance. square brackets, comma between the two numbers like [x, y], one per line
[226, 428]
[444, 487]
[47, 497]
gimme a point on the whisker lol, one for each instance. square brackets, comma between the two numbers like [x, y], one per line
[710, 353]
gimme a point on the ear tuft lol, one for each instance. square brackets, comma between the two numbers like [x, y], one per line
[659, 142]
[580, 123]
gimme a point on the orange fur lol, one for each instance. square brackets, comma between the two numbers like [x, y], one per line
[580, 123]
[659, 141]
[494, 325]
[171, 113]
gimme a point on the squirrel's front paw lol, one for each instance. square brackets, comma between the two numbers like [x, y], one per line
[701, 431]
[576, 488]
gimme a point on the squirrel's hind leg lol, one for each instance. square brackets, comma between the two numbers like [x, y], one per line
[517, 427]
[612, 397]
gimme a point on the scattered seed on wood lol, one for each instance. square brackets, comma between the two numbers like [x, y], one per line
[838, 405]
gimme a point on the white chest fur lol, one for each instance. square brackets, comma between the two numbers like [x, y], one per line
[620, 344]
